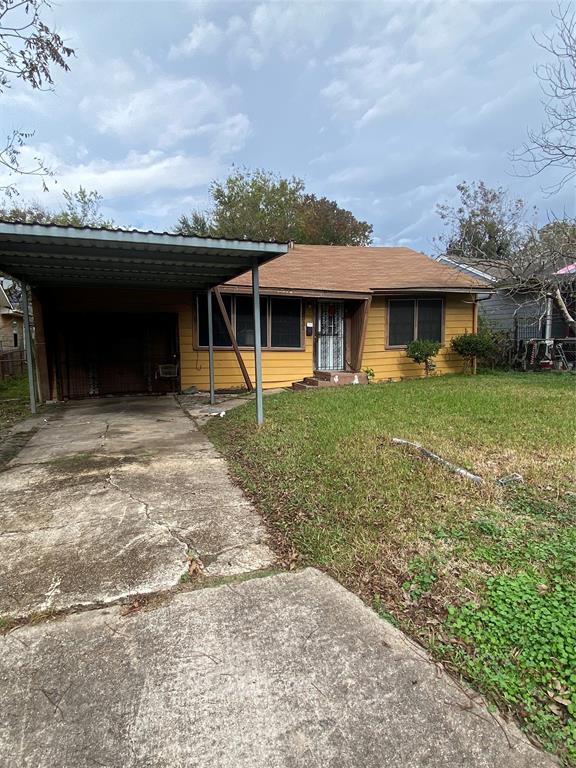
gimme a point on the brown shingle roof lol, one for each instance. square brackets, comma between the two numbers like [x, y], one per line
[358, 269]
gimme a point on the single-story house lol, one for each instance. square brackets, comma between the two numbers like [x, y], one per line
[341, 309]
[122, 311]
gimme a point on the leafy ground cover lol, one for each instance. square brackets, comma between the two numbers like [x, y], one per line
[483, 576]
[14, 404]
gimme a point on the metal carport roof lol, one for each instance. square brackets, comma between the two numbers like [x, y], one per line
[49, 255]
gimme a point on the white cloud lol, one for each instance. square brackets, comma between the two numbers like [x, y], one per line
[170, 111]
[205, 37]
[136, 174]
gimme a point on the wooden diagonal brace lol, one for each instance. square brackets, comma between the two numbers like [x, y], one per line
[232, 335]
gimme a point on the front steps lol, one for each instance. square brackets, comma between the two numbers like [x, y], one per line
[330, 379]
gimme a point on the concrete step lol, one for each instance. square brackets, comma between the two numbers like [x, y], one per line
[337, 378]
[330, 379]
[312, 381]
[299, 386]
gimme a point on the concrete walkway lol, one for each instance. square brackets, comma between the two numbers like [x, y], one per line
[279, 672]
[112, 498]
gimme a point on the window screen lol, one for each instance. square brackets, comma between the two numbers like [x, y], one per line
[286, 322]
[430, 319]
[221, 338]
[401, 322]
[245, 321]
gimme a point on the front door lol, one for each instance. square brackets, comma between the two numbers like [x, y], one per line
[330, 336]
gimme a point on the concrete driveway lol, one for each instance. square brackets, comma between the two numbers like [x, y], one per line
[113, 498]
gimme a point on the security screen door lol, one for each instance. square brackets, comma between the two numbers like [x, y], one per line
[330, 336]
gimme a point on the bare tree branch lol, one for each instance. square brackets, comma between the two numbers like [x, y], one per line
[553, 144]
[29, 51]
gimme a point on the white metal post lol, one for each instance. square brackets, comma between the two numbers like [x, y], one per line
[257, 343]
[548, 319]
[211, 348]
[28, 343]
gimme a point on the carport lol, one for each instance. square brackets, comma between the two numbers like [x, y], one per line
[45, 258]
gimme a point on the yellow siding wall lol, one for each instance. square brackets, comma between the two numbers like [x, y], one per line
[393, 363]
[279, 368]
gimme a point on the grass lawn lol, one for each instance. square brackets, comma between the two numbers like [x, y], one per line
[483, 576]
[14, 402]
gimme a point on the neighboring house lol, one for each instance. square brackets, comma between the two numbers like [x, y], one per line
[522, 316]
[11, 323]
[120, 311]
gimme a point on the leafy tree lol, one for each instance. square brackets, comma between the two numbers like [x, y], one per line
[423, 351]
[80, 209]
[484, 226]
[322, 221]
[259, 205]
[489, 230]
[29, 51]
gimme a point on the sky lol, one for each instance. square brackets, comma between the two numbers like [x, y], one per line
[384, 107]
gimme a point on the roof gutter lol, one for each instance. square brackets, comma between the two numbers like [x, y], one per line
[427, 289]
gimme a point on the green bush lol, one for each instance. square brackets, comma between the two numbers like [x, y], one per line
[474, 345]
[422, 351]
[500, 354]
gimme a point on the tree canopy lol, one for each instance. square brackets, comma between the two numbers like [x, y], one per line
[493, 232]
[259, 205]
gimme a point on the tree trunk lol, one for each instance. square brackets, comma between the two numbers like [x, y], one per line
[561, 304]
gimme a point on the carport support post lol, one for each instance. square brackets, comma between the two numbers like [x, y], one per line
[257, 343]
[211, 348]
[28, 343]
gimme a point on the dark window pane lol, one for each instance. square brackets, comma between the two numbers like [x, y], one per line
[221, 338]
[401, 322]
[430, 319]
[286, 322]
[245, 321]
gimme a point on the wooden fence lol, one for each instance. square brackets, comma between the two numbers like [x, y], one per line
[12, 363]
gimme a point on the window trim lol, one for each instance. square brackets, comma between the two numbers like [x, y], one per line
[416, 300]
[268, 348]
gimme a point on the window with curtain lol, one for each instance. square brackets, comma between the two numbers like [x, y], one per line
[410, 319]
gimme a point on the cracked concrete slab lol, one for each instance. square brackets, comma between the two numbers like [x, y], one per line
[110, 498]
[288, 671]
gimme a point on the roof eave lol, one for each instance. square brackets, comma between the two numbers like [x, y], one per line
[433, 289]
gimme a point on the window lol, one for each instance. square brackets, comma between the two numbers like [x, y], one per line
[286, 322]
[429, 319]
[245, 321]
[221, 338]
[401, 323]
[280, 322]
[410, 319]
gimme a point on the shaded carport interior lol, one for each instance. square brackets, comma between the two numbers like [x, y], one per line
[45, 257]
